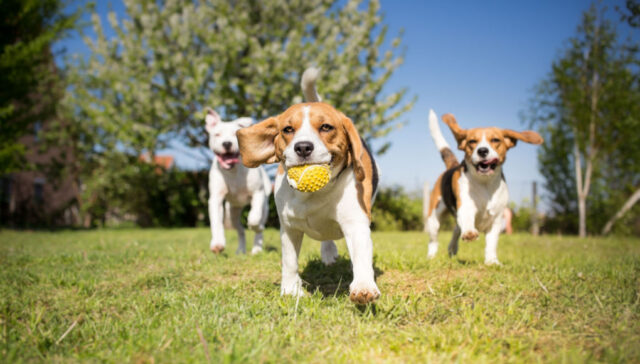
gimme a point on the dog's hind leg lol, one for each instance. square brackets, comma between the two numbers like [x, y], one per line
[433, 225]
[235, 213]
[453, 244]
[216, 213]
[329, 252]
[491, 240]
[257, 218]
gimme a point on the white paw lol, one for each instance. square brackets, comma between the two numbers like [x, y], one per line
[216, 247]
[492, 261]
[433, 249]
[363, 292]
[470, 235]
[256, 250]
[292, 287]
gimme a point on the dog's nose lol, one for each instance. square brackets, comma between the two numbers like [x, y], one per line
[226, 145]
[483, 152]
[303, 149]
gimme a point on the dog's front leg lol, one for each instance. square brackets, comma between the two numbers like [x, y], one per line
[291, 241]
[257, 218]
[216, 215]
[363, 288]
[491, 247]
[466, 219]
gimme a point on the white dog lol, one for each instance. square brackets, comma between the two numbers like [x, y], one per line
[316, 133]
[232, 182]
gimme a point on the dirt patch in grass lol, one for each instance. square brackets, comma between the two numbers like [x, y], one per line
[398, 282]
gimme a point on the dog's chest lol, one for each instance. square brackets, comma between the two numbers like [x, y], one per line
[312, 213]
[238, 184]
[489, 199]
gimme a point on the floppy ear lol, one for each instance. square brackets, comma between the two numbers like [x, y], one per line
[211, 119]
[458, 133]
[244, 122]
[528, 136]
[362, 166]
[257, 143]
[356, 149]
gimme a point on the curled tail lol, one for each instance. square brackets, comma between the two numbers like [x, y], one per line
[445, 152]
[308, 84]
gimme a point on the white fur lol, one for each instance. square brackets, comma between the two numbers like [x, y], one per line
[238, 186]
[326, 215]
[482, 201]
[436, 134]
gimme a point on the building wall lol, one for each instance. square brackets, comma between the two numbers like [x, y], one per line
[33, 198]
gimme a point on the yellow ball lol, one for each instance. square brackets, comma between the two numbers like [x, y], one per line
[309, 177]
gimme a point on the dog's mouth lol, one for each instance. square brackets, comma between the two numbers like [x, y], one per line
[228, 160]
[487, 167]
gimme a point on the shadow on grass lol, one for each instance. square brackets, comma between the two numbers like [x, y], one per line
[269, 248]
[332, 280]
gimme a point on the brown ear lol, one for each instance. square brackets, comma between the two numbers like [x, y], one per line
[458, 133]
[257, 143]
[527, 136]
[356, 149]
[362, 166]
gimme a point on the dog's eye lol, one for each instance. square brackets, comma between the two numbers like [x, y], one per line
[217, 134]
[326, 127]
[288, 130]
[472, 141]
[495, 140]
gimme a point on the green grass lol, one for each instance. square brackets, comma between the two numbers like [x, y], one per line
[146, 295]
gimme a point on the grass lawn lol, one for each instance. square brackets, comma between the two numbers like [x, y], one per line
[161, 296]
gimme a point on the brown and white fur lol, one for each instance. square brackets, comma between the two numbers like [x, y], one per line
[473, 190]
[317, 133]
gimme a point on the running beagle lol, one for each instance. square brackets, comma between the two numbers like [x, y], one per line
[473, 190]
[316, 133]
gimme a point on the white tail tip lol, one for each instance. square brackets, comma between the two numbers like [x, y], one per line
[436, 134]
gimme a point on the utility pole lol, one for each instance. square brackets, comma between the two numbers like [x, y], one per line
[535, 227]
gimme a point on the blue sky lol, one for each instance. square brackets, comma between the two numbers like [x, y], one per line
[476, 59]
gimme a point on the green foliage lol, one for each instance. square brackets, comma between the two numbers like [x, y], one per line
[585, 109]
[137, 191]
[29, 83]
[394, 209]
[159, 295]
[632, 13]
[522, 216]
[150, 83]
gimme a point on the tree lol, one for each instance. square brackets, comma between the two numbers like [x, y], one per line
[29, 88]
[148, 86]
[632, 13]
[586, 108]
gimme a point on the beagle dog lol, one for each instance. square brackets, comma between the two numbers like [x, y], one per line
[316, 133]
[233, 186]
[473, 190]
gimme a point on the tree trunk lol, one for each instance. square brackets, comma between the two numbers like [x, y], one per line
[582, 197]
[626, 207]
